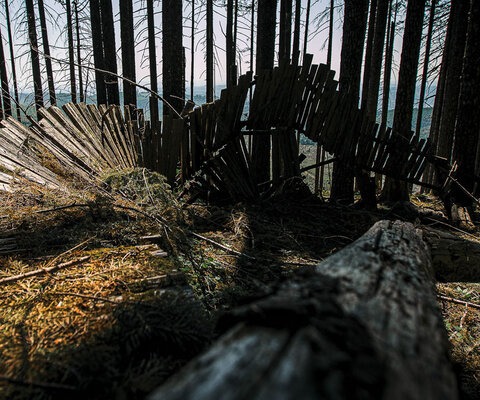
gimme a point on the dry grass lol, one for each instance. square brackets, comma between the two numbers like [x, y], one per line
[119, 324]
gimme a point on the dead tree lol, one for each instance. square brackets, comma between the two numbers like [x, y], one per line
[364, 324]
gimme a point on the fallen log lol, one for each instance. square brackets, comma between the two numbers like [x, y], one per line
[364, 324]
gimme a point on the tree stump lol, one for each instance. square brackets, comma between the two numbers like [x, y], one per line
[364, 324]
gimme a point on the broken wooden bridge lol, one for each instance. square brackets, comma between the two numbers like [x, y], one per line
[209, 148]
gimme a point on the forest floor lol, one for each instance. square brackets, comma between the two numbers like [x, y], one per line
[139, 279]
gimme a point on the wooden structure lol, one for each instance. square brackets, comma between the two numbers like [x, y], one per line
[363, 324]
[209, 146]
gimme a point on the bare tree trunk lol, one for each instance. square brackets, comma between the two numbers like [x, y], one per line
[12, 61]
[426, 61]
[456, 49]
[173, 60]
[354, 30]
[368, 53]
[98, 55]
[110, 51]
[465, 150]
[128, 52]
[307, 24]
[395, 190]
[296, 33]
[376, 63]
[5, 95]
[71, 52]
[32, 35]
[320, 156]
[79, 53]
[152, 57]
[388, 64]
[230, 50]
[192, 52]
[209, 52]
[285, 40]
[266, 24]
[429, 174]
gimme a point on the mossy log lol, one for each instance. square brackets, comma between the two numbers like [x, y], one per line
[364, 324]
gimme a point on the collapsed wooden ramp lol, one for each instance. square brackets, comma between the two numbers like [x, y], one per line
[209, 147]
[80, 142]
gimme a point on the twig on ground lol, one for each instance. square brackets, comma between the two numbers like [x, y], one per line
[84, 296]
[458, 301]
[221, 246]
[48, 210]
[41, 271]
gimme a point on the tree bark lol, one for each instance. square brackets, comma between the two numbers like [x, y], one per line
[110, 51]
[46, 50]
[426, 61]
[230, 50]
[79, 53]
[209, 52]
[32, 36]
[368, 52]
[71, 52]
[12, 60]
[128, 52]
[152, 57]
[395, 190]
[467, 128]
[354, 30]
[364, 324]
[377, 57]
[98, 55]
[285, 39]
[173, 60]
[7, 105]
[266, 24]
[459, 15]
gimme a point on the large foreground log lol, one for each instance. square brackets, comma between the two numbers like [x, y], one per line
[364, 324]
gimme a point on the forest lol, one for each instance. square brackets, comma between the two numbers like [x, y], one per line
[240, 199]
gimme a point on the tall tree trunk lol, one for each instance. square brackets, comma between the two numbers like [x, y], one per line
[285, 40]
[32, 36]
[266, 24]
[209, 52]
[192, 51]
[46, 51]
[354, 30]
[98, 55]
[320, 156]
[71, 52]
[128, 52]
[426, 61]
[307, 23]
[395, 190]
[459, 14]
[296, 32]
[110, 51]
[7, 105]
[467, 127]
[387, 74]
[12, 60]
[79, 52]
[173, 61]
[152, 57]
[368, 53]
[429, 174]
[230, 51]
[377, 57]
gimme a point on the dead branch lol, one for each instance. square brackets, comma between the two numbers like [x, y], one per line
[458, 301]
[42, 271]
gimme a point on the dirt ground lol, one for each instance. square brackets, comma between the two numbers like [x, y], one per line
[138, 280]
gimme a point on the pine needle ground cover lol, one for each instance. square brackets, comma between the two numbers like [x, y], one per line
[131, 281]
